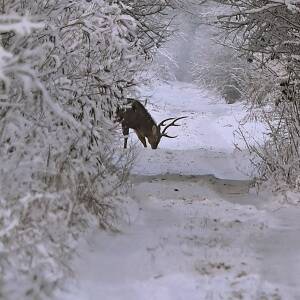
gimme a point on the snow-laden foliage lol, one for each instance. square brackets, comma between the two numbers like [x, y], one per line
[195, 53]
[218, 67]
[152, 20]
[64, 66]
[165, 27]
[268, 34]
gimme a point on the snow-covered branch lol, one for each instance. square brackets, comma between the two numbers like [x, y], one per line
[267, 33]
[60, 81]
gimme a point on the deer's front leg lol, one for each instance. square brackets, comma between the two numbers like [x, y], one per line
[141, 138]
[125, 131]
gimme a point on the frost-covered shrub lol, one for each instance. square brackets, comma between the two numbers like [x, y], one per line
[165, 32]
[279, 156]
[153, 19]
[220, 69]
[267, 33]
[64, 66]
[216, 66]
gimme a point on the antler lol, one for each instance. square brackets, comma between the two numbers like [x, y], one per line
[165, 120]
[171, 124]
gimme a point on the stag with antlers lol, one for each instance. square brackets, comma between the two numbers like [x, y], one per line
[136, 117]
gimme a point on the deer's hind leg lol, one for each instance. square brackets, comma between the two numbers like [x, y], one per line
[125, 131]
[141, 138]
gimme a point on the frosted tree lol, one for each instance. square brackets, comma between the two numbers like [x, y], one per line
[216, 66]
[176, 26]
[64, 67]
[267, 33]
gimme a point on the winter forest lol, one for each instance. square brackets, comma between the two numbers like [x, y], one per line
[210, 209]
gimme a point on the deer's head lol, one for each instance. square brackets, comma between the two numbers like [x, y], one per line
[160, 130]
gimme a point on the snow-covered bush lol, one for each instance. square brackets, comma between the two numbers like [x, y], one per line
[165, 32]
[195, 53]
[153, 19]
[64, 66]
[267, 33]
[218, 67]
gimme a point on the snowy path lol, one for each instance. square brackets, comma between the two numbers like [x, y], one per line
[194, 231]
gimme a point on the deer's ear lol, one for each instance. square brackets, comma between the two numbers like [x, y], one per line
[154, 130]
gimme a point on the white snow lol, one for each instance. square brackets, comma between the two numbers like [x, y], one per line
[192, 230]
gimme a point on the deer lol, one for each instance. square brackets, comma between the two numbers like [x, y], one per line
[135, 116]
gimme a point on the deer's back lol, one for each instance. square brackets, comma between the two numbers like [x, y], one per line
[136, 117]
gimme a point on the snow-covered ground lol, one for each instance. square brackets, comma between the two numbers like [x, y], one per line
[194, 230]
